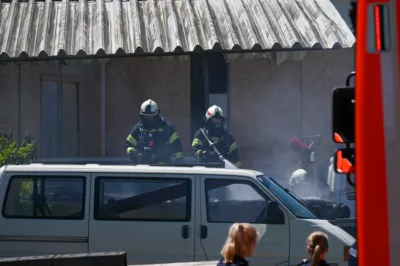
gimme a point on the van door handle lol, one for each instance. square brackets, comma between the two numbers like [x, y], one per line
[203, 231]
[185, 232]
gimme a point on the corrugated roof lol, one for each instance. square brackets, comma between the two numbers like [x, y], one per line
[38, 28]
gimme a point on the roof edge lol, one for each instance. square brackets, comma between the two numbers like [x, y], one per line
[139, 52]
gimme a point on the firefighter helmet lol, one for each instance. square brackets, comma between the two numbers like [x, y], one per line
[215, 116]
[150, 114]
[149, 108]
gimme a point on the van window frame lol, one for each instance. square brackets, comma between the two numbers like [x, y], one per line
[188, 195]
[254, 186]
[45, 177]
[262, 179]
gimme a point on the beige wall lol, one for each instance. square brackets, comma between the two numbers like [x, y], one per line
[85, 73]
[129, 82]
[270, 104]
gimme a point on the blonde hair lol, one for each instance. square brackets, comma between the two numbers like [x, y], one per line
[317, 244]
[240, 242]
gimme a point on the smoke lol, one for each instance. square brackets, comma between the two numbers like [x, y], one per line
[229, 165]
[277, 160]
[231, 192]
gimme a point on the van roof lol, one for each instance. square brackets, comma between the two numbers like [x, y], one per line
[97, 168]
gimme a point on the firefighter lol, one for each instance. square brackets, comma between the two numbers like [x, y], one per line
[216, 132]
[153, 140]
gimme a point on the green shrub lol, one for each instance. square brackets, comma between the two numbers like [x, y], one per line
[10, 153]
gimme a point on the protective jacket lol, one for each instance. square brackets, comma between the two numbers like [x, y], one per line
[224, 142]
[237, 261]
[156, 145]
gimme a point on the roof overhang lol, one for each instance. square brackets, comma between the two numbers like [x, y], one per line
[67, 29]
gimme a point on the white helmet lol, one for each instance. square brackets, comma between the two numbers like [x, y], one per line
[150, 114]
[298, 176]
[149, 108]
[215, 116]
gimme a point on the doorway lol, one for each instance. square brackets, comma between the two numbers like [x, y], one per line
[60, 119]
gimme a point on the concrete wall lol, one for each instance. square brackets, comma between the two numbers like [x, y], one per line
[271, 103]
[130, 81]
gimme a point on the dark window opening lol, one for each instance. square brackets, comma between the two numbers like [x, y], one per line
[231, 201]
[208, 75]
[38, 197]
[143, 199]
[217, 73]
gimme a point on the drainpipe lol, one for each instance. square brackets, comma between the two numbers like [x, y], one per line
[103, 106]
[19, 105]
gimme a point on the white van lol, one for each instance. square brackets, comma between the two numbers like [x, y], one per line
[156, 214]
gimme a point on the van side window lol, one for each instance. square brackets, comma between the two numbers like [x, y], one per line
[231, 201]
[143, 199]
[45, 197]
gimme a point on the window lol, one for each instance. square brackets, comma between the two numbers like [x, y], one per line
[38, 197]
[287, 199]
[231, 201]
[143, 199]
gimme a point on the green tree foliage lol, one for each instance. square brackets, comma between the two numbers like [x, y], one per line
[10, 153]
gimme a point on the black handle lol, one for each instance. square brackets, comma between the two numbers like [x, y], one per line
[349, 77]
[203, 232]
[185, 232]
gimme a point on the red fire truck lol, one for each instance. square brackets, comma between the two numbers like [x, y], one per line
[377, 132]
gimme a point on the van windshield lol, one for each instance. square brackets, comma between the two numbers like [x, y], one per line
[288, 200]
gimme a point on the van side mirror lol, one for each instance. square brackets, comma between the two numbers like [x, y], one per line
[274, 214]
[343, 114]
[344, 161]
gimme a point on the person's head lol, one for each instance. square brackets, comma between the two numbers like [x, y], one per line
[317, 246]
[149, 114]
[215, 118]
[241, 241]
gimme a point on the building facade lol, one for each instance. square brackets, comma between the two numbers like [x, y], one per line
[266, 103]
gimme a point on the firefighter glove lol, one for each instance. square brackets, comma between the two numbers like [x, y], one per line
[135, 155]
[207, 154]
